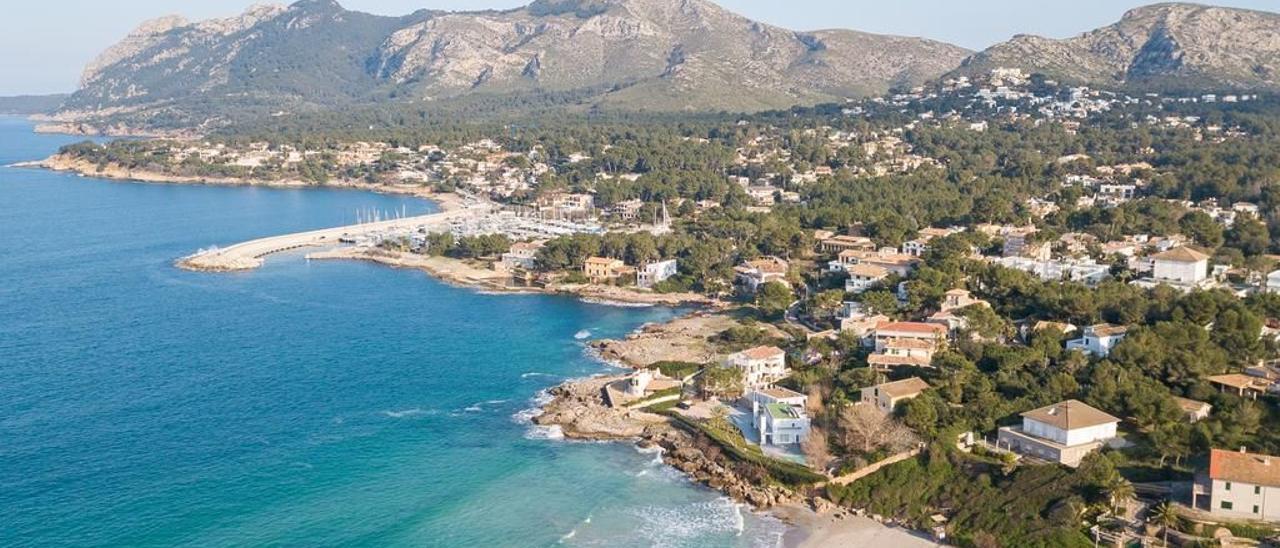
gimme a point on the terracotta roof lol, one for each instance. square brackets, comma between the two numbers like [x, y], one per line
[762, 352]
[602, 261]
[909, 344]
[904, 387]
[1251, 468]
[912, 327]
[1182, 255]
[1069, 415]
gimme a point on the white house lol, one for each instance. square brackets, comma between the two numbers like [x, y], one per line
[888, 395]
[779, 424]
[761, 366]
[1098, 340]
[651, 274]
[752, 274]
[1180, 266]
[522, 255]
[1273, 282]
[863, 276]
[1063, 432]
[1241, 485]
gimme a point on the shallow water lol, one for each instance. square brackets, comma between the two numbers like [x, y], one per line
[325, 403]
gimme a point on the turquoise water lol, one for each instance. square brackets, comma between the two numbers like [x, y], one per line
[303, 404]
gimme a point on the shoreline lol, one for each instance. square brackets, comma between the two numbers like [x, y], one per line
[82, 168]
[811, 521]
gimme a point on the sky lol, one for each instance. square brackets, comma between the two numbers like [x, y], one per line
[44, 44]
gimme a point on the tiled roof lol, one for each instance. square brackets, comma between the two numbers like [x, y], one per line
[912, 327]
[1070, 415]
[1182, 255]
[1239, 466]
[904, 387]
[762, 352]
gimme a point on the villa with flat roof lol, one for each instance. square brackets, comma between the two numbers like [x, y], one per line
[779, 423]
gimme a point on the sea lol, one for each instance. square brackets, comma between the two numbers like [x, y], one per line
[319, 403]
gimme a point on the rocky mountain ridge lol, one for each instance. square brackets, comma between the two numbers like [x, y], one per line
[631, 54]
[1169, 46]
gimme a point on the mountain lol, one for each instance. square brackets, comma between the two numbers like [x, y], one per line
[668, 55]
[31, 104]
[1167, 46]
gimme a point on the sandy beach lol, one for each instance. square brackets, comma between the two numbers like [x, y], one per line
[812, 529]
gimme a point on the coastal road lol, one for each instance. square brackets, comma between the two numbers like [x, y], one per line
[249, 255]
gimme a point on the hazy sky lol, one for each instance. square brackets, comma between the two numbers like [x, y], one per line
[45, 43]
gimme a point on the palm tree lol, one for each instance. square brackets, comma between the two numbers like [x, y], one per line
[1167, 516]
[1118, 490]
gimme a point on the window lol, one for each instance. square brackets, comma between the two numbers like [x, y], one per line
[1257, 489]
[1226, 505]
[1255, 508]
[1228, 486]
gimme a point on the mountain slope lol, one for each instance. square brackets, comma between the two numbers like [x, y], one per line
[1178, 46]
[634, 54]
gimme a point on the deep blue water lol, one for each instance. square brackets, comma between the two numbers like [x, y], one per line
[302, 404]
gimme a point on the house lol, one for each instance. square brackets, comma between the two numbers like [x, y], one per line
[863, 276]
[602, 269]
[522, 255]
[886, 258]
[906, 344]
[1195, 410]
[1241, 485]
[779, 424]
[651, 274]
[1180, 266]
[777, 394]
[918, 246]
[958, 298]
[862, 325]
[1098, 340]
[1273, 282]
[761, 366]
[1063, 432]
[888, 395]
[1243, 385]
[836, 244]
[1018, 242]
[750, 275]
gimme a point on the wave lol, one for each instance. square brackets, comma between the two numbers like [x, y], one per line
[404, 413]
[621, 304]
[473, 409]
[535, 374]
[574, 532]
[585, 333]
[553, 432]
[668, 526]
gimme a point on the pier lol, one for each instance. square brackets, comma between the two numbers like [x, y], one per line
[250, 255]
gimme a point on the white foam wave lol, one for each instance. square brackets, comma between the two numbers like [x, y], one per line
[535, 374]
[473, 409]
[585, 333]
[404, 413]
[552, 432]
[621, 304]
[678, 526]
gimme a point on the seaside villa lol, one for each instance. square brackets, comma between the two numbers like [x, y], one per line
[602, 269]
[761, 366]
[1063, 432]
[652, 274]
[778, 416]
